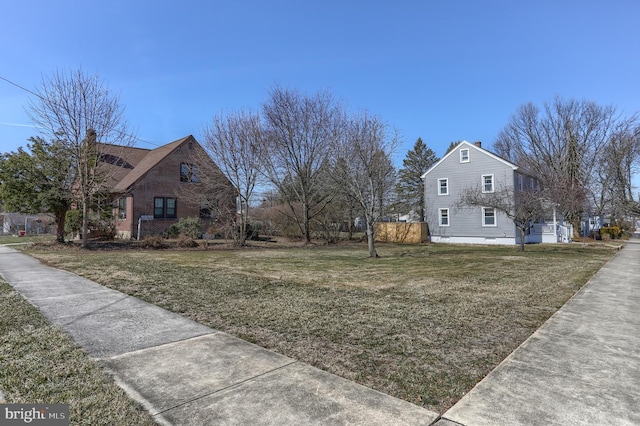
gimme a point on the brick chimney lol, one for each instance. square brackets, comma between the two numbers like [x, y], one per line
[478, 144]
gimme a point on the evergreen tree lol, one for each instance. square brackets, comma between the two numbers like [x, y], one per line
[38, 180]
[452, 145]
[410, 187]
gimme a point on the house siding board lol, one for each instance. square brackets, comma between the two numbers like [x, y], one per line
[466, 222]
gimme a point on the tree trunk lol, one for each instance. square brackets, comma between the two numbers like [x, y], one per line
[242, 238]
[85, 223]
[371, 240]
[351, 219]
[60, 220]
[244, 220]
[522, 232]
[307, 228]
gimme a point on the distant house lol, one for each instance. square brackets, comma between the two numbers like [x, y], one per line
[151, 189]
[21, 224]
[469, 165]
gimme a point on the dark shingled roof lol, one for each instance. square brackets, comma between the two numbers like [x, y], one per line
[127, 164]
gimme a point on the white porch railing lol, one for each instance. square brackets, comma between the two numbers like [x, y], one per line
[548, 233]
[542, 228]
[565, 233]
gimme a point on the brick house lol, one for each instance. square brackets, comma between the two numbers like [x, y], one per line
[152, 189]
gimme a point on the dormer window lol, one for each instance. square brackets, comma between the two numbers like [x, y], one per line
[464, 155]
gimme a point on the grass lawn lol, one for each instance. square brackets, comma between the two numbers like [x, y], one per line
[12, 239]
[41, 365]
[423, 323]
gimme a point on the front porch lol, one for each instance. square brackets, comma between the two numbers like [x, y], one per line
[549, 233]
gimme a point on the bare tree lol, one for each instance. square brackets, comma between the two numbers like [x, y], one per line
[79, 110]
[618, 161]
[235, 142]
[300, 131]
[560, 144]
[364, 168]
[523, 207]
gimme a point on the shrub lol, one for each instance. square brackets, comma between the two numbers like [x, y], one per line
[189, 226]
[251, 232]
[73, 223]
[173, 231]
[612, 232]
[101, 225]
[153, 241]
[186, 241]
[98, 224]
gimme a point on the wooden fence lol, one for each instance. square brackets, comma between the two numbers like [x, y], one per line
[401, 232]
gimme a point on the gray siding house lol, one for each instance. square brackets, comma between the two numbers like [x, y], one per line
[470, 166]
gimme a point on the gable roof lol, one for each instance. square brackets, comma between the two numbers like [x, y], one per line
[131, 164]
[120, 160]
[477, 148]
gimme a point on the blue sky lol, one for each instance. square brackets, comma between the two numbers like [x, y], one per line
[440, 70]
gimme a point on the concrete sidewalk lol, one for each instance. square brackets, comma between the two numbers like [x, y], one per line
[187, 374]
[582, 367]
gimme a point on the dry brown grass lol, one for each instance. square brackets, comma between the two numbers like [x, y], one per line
[423, 323]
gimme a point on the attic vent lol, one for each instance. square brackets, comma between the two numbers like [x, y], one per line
[190, 145]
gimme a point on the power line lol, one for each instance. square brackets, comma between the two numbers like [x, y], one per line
[19, 87]
[39, 96]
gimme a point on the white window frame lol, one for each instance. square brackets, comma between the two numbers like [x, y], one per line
[446, 184]
[484, 217]
[484, 184]
[464, 158]
[440, 217]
